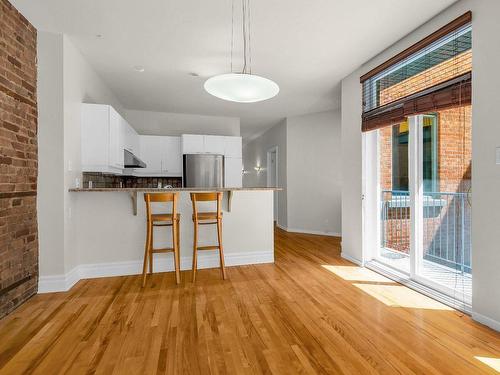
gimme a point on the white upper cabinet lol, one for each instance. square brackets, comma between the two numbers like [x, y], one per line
[102, 139]
[131, 138]
[117, 139]
[193, 144]
[232, 147]
[162, 156]
[172, 164]
[214, 144]
[151, 149]
[211, 144]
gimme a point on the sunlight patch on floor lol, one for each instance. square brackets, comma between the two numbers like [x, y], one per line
[401, 296]
[353, 273]
[494, 363]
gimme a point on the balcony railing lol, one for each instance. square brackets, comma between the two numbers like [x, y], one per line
[446, 226]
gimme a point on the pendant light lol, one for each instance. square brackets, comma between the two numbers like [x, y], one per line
[243, 87]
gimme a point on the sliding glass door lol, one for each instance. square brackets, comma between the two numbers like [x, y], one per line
[395, 225]
[444, 249]
[424, 184]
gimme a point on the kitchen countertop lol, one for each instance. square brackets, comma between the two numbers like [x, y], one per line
[134, 192]
[138, 190]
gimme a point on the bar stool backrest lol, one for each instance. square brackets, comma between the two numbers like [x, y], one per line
[160, 198]
[207, 197]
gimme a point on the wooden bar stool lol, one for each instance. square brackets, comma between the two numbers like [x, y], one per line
[161, 220]
[207, 218]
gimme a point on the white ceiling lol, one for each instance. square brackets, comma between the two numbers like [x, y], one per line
[306, 46]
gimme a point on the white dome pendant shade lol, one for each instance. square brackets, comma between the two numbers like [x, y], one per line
[241, 87]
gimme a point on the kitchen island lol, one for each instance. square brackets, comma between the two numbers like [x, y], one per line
[109, 229]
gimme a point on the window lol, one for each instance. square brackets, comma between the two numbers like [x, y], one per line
[400, 154]
[432, 75]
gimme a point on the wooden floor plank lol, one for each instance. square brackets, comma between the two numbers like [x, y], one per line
[311, 312]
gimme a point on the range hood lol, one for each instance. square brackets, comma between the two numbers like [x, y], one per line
[132, 161]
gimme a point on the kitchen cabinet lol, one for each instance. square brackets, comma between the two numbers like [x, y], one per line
[102, 139]
[116, 138]
[131, 138]
[162, 155]
[151, 151]
[172, 162]
[193, 144]
[232, 147]
[214, 144]
[233, 172]
[211, 144]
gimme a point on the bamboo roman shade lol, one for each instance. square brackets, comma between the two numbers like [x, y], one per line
[433, 74]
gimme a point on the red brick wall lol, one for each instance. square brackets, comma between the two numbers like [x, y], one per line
[18, 159]
[455, 149]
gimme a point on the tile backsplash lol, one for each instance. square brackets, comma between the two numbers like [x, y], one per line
[103, 180]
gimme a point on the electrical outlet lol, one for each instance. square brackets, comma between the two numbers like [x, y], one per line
[497, 155]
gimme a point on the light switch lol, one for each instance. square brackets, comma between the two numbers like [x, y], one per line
[70, 167]
[497, 157]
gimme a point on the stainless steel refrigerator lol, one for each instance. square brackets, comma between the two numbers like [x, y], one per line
[203, 171]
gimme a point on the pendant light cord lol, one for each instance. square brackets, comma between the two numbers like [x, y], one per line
[244, 32]
[249, 35]
[232, 33]
[247, 49]
[247, 38]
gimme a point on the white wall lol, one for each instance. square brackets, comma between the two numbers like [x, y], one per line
[485, 137]
[313, 173]
[65, 81]
[255, 154]
[81, 85]
[162, 123]
[50, 153]
[308, 169]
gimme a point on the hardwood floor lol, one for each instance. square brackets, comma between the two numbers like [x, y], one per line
[309, 313]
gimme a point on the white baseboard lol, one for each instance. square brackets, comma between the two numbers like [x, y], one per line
[493, 324]
[307, 231]
[162, 263]
[351, 259]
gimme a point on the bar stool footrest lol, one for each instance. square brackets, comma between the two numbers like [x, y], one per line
[163, 250]
[214, 247]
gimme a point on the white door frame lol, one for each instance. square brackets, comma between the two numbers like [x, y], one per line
[268, 175]
[416, 187]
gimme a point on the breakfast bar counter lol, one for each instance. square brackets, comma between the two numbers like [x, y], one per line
[108, 235]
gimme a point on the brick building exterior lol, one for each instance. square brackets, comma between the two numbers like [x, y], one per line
[18, 159]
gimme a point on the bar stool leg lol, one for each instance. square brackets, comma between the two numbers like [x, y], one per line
[175, 245]
[221, 251]
[151, 245]
[146, 254]
[195, 250]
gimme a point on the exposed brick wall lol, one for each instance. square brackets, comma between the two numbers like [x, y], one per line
[18, 159]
